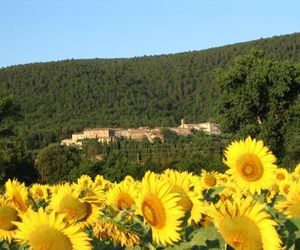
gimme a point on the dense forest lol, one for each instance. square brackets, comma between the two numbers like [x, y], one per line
[59, 98]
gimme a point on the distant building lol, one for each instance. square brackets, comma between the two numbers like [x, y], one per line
[78, 137]
[141, 133]
[97, 133]
[206, 127]
[138, 133]
[181, 131]
[67, 142]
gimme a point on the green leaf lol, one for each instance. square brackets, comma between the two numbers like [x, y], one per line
[294, 221]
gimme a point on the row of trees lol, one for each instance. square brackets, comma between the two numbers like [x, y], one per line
[123, 157]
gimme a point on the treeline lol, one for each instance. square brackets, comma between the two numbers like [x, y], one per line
[59, 98]
[121, 157]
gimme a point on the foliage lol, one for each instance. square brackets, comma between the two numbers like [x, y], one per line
[15, 160]
[123, 157]
[129, 157]
[292, 137]
[56, 163]
[257, 98]
[168, 135]
[59, 98]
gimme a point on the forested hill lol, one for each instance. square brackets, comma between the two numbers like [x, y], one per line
[60, 97]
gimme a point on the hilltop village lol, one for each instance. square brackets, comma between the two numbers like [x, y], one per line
[141, 133]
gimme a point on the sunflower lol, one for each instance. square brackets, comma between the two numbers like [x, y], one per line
[122, 195]
[102, 182]
[76, 209]
[39, 191]
[17, 193]
[231, 190]
[158, 205]
[272, 192]
[84, 181]
[209, 179]
[49, 231]
[104, 229]
[245, 225]
[8, 214]
[129, 178]
[92, 194]
[223, 179]
[251, 164]
[55, 188]
[285, 186]
[296, 172]
[281, 174]
[291, 206]
[182, 183]
[199, 189]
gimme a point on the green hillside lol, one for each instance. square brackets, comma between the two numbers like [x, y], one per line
[58, 98]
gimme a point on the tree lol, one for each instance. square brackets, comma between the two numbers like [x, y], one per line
[292, 138]
[91, 148]
[56, 162]
[256, 97]
[10, 111]
[15, 160]
[168, 135]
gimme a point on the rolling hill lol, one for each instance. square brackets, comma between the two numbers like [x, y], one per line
[59, 98]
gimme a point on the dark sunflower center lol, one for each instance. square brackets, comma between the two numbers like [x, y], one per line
[286, 189]
[210, 180]
[124, 201]
[7, 215]
[153, 211]
[250, 168]
[280, 176]
[39, 192]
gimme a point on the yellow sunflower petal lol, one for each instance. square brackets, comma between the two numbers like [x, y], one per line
[160, 209]
[43, 231]
[251, 165]
[245, 225]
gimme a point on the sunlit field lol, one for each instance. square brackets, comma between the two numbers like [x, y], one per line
[255, 204]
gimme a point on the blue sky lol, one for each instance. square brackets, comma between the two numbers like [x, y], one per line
[50, 30]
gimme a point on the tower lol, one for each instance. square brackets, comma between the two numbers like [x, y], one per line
[182, 123]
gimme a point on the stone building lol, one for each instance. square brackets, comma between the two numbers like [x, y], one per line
[97, 133]
[181, 131]
[138, 133]
[206, 127]
[78, 137]
[141, 133]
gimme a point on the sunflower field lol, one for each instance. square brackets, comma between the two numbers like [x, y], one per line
[253, 205]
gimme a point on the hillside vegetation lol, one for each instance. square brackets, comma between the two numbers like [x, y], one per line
[58, 98]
